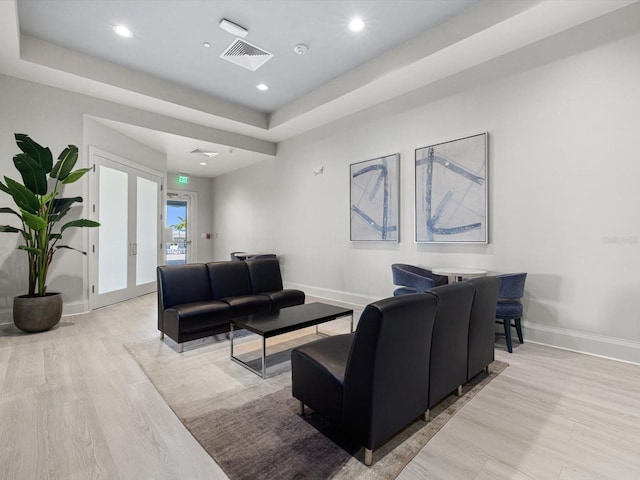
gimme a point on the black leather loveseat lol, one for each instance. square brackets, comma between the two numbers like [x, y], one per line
[408, 353]
[198, 300]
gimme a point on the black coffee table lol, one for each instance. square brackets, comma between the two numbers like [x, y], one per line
[285, 320]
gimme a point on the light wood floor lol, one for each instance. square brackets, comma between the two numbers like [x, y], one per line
[75, 405]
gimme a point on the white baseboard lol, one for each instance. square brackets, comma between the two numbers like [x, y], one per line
[588, 343]
[345, 299]
[6, 316]
[573, 340]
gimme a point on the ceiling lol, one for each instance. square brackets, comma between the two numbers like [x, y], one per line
[198, 100]
[169, 35]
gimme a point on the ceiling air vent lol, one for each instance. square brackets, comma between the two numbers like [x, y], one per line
[246, 55]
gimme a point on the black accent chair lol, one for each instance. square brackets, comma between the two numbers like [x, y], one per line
[185, 309]
[509, 306]
[481, 351]
[448, 365]
[374, 382]
[412, 279]
[266, 279]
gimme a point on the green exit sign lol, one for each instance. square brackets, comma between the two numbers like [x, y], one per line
[183, 179]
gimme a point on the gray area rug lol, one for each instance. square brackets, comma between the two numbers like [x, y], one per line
[251, 427]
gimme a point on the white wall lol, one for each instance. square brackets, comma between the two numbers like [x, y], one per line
[564, 197]
[55, 118]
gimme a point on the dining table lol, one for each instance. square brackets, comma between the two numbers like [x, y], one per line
[459, 273]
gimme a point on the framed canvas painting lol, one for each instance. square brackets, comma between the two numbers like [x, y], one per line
[451, 191]
[374, 198]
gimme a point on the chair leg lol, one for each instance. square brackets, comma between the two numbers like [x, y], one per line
[368, 457]
[425, 415]
[459, 391]
[161, 335]
[301, 409]
[180, 347]
[519, 330]
[507, 334]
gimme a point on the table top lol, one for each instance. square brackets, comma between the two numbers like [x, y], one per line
[459, 272]
[290, 318]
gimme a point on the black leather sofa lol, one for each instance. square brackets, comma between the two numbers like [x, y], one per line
[198, 300]
[404, 348]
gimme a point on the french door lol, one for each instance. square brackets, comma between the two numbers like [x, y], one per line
[126, 247]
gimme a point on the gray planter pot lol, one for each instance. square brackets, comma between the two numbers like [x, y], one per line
[37, 314]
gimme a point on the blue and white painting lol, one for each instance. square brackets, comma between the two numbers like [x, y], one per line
[374, 199]
[451, 191]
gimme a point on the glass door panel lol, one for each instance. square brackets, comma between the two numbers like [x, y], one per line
[146, 245]
[177, 225]
[113, 231]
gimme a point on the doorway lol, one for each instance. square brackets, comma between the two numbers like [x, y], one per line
[180, 226]
[126, 247]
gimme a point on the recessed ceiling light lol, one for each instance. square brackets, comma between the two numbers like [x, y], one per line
[206, 45]
[123, 31]
[356, 25]
[263, 87]
[203, 163]
[301, 49]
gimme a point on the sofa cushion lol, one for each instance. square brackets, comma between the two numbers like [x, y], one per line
[228, 279]
[285, 298]
[181, 284]
[264, 275]
[247, 304]
[181, 320]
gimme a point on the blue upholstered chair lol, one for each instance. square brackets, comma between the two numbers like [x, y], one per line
[412, 279]
[509, 307]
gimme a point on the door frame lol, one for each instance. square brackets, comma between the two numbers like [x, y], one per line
[192, 221]
[94, 200]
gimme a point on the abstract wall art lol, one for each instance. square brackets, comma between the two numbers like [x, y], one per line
[375, 199]
[451, 191]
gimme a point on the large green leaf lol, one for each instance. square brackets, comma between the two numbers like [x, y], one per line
[36, 151]
[4, 188]
[63, 204]
[34, 221]
[9, 210]
[32, 250]
[71, 248]
[9, 229]
[75, 175]
[24, 198]
[66, 161]
[33, 175]
[83, 222]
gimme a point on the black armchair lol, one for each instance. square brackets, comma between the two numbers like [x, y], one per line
[412, 279]
[448, 365]
[482, 325]
[373, 382]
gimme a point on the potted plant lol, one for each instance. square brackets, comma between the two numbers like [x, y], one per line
[40, 209]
